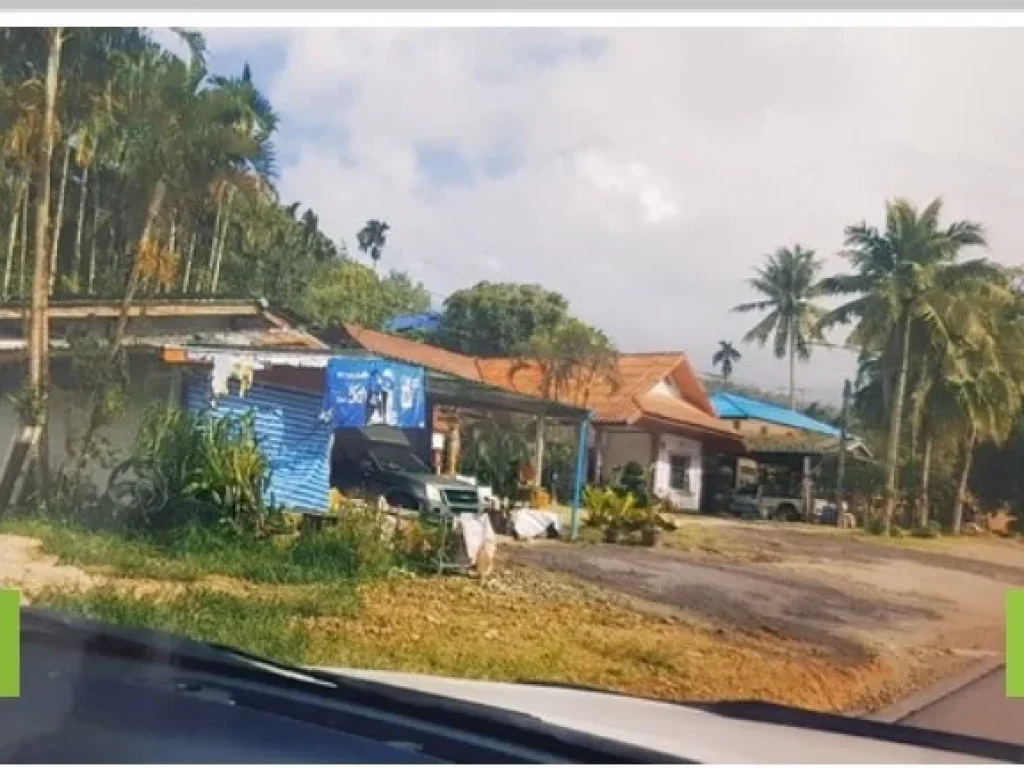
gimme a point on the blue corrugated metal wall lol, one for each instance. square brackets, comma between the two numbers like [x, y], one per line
[295, 440]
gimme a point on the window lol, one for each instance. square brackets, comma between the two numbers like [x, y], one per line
[679, 472]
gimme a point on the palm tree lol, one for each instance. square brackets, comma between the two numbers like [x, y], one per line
[895, 276]
[789, 281]
[726, 355]
[257, 121]
[372, 238]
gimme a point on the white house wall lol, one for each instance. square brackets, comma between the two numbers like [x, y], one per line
[681, 446]
[150, 383]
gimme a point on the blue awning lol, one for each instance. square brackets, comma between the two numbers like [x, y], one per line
[730, 406]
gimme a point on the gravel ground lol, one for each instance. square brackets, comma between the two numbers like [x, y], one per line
[851, 598]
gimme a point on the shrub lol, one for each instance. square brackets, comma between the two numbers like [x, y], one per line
[633, 480]
[209, 469]
[360, 546]
[925, 532]
[875, 525]
[598, 503]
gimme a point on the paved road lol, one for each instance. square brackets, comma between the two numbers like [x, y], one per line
[979, 708]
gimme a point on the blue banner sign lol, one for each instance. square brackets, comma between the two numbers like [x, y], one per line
[362, 392]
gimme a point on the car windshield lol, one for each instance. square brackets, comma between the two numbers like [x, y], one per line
[398, 458]
[309, 333]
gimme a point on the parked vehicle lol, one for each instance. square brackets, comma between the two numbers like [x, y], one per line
[769, 500]
[380, 461]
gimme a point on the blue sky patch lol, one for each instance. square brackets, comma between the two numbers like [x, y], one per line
[443, 164]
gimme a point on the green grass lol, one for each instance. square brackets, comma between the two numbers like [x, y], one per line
[189, 555]
[266, 626]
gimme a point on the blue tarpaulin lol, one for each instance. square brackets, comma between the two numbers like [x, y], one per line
[361, 392]
[426, 321]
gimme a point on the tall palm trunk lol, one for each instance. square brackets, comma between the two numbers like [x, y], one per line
[90, 284]
[94, 408]
[39, 330]
[792, 369]
[172, 244]
[926, 471]
[23, 255]
[215, 239]
[895, 419]
[58, 219]
[215, 279]
[12, 236]
[83, 196]
[188, 262]
[965, 473]
[156, 202]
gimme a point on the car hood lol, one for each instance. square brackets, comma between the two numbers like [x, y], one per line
[688, 732]
[429, 478]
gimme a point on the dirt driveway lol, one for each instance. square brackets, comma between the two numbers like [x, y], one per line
[849, 598]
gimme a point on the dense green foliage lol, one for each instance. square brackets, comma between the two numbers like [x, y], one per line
[499, 319]
[133, 119]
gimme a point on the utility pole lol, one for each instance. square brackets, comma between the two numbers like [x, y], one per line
[841, 469]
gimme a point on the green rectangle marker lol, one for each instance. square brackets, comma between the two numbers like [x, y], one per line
[1015, 643]
[10, 643]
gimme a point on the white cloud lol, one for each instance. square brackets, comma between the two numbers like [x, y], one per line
[653, 176]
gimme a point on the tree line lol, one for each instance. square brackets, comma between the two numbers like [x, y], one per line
[127, 172]
[939, 336]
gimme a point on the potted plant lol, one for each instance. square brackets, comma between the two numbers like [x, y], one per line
[622, 516]
[650, 530]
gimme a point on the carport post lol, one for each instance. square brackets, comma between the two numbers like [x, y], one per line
[581, 455]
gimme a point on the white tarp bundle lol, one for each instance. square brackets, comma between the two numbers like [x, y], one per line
[534, 523]
[476, 534]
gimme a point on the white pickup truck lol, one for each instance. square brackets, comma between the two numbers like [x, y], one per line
[781, 508]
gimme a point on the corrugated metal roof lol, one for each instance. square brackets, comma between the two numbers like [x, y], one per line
[294, 439]
[731, 406]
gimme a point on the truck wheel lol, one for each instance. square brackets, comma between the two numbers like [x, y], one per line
[786, 513]
[402, 501]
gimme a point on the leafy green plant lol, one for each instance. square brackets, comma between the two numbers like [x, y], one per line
[212, 467]
[875, 525]
[634, 479]
[598, 502]
[360, 546]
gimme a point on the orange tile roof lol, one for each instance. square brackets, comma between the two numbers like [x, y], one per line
[625, 402]
[414, 352]
[658, 406]
[637, 375]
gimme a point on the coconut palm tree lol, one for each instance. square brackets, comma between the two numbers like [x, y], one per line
[372, 238]
[789, 281]
[895, 275]
[724, 358]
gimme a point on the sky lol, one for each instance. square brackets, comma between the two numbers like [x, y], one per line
[644, 174]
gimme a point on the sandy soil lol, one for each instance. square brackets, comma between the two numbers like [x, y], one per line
[23, 566]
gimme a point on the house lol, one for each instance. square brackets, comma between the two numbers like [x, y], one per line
[152, 325]
[183, 353]
[655, 412]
